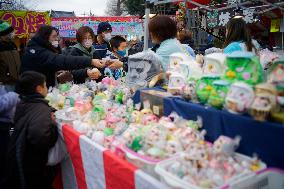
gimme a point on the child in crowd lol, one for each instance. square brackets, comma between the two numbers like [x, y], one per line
[118, 51]
[35, 133]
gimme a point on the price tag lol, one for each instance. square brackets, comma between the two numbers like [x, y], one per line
[156, 110]
[146, 104]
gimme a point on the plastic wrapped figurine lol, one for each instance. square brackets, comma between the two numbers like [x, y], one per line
[184, 65]
[264, 102]
[204, 87]
[176, 83]
[142, 67]
[278, 112]
[214, 64]
[218, 94]
[173, 146]
[176, 59]
[267, 57]
[239, 98]
[189, 91]
[245, 67]
[276, 72]
[226, 145]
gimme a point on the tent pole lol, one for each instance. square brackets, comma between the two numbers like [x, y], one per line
[146, 22]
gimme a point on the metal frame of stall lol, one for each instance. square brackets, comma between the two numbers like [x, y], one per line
[191, 15]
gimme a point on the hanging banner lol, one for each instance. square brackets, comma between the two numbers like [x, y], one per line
[25, 22]
[120, 25]
[275, 25]
[221, 18]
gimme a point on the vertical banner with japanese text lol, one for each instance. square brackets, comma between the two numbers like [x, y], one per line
[25, 22]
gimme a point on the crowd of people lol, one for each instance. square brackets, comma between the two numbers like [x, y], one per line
[27, 123]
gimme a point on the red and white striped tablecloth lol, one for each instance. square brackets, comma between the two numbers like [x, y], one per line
[90, 166]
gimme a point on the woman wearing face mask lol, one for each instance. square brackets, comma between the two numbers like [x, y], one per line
[42, 55]
[104, 33]
[9, 57]
[85, 37]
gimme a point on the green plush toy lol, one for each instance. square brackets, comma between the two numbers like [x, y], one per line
[64, 87]
[119, 97]
[136, 144]
[243, 66]
[204, 87]
[218, 94]
[108, 131]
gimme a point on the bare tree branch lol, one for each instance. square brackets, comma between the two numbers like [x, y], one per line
[115, 8]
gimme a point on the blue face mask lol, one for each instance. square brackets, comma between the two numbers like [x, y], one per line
[122, 53]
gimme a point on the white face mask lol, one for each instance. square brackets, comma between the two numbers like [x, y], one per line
[55, 44]
[11, 35]
[107, 37]
[88, 43]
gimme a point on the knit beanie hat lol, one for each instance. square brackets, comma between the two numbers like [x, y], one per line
[5, 28]
[104, 26]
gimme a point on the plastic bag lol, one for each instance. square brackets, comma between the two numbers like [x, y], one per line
[58, 153]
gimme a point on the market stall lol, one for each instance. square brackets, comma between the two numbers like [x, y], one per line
[97, 159]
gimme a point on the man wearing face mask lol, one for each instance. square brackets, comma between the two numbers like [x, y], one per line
[9, 57]
[104, 32]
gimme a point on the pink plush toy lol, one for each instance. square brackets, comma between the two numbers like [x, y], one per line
[147, 119]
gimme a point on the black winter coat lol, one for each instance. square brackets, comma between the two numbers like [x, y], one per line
[38, 57]
[80, 76]
[9, 63]
[35, 134]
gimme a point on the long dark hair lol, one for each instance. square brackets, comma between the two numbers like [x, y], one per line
[237, 31]
[42, 37]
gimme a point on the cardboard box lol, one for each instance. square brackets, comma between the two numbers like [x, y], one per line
[153, 100]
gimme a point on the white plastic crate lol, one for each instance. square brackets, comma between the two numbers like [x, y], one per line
[177, 183]
[143, 162]
[270, 178]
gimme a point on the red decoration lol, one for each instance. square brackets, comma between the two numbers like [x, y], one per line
[191, 6]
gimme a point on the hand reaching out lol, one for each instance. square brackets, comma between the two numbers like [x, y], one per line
[115, 65]
[94, 73]
[97, 63]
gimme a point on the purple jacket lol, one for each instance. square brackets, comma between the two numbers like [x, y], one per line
[8, 102]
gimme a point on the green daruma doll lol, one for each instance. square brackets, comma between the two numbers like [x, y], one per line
[205, 87]
[218, 94]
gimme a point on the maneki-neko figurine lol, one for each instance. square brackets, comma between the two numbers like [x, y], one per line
[264, 102]
[239, 98]
[214, 64]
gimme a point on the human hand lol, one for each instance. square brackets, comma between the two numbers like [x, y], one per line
[115, 65]
[94, 73]
[98, 63]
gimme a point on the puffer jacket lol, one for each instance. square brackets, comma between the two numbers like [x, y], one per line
[34, 135]
[8, 102]
[41, 58]
[9, 63]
